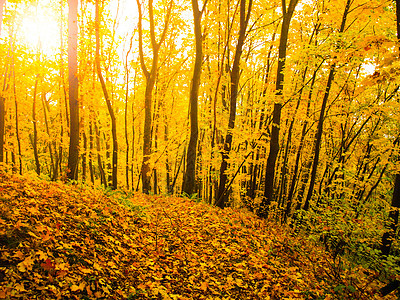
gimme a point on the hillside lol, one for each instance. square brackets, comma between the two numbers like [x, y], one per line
[72, 242]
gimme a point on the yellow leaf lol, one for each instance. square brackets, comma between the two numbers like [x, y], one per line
[84, 270]
[74, 288]
[97, 266]
[239, 282]
[27, 264]
[20, 287]
[21, 267]
[42, 255]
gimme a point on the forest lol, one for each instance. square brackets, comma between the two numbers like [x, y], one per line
[287, 109]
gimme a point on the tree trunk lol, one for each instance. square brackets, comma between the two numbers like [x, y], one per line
[318, 135]
[17, 125]
[299, 151]
[108, 102]
[49, 144]
[91, 152]
[150, 82]
[126, 117]
[72, 172]
[189, 180]
[99, 162]
[235, 75]
[34, 139]
[276, 117]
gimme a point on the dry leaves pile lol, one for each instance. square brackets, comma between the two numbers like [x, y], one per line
[66, 242]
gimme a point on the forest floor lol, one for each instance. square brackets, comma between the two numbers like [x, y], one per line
[63, 241]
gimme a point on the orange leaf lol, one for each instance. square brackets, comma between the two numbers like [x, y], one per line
[48, 265]
[61, 273]
[46, 237]
[204, 286]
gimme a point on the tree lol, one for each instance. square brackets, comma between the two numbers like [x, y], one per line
[150, 77]
[318, 135]
[234, 83]
[108, 102]
[276, 118]
[190, 174]
[72, 172]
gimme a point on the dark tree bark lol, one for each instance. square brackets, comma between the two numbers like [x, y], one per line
[235, 75]
[126, 116]
[91, 171]
[17, 123]
[276, 117]
[318, 135]
[99, 161]
[150, 82]
[49, 143]
[189, 180]
[73, 156]
[114, 165]
[84, 153]
[299, 152]
[255, 168]
[34, 137]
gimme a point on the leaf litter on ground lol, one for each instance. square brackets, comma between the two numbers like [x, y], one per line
[62, 241]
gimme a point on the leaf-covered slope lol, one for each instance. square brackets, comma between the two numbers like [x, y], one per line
[64, 242]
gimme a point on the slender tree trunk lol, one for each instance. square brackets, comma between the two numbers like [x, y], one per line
[150, 82]
[91, 171]
[99, 162]
[318, 135]
[73, 157]
[108, 102]
[221, 199]
[126, 117]
[276, 118]
[133, 134]
[189, 180]
[46, 122]
[34, 139]
[17, 125]
[84, 155]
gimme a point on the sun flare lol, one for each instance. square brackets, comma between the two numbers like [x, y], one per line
[40, 29]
